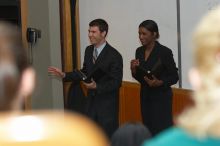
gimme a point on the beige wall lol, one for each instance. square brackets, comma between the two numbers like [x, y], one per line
[44, 15]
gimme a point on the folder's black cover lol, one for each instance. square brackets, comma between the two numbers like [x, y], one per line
[141, 72]
[95, 74]
[156, 70]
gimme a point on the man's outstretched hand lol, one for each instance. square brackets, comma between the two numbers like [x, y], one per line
[56, 72]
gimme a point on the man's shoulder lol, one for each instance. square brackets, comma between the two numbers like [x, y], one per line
[113, 50]
[109, 46]
[90, 47]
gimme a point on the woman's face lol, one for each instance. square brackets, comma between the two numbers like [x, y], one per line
[146, 37]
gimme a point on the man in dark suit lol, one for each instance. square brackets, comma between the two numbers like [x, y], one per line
[104, 65]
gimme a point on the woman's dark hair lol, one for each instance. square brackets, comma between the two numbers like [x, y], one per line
[151, 26]
[130, 134]
[13, 61]
[101, 24]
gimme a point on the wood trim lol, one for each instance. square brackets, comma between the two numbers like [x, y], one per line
[66, 35]
[66, 39]
[24, 12]
[129, 101]
[182, 98]
[78, 36]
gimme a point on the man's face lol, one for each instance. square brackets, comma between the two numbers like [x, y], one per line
[95, 35]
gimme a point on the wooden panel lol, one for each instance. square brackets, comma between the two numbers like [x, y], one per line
[78, 36]
[66, 27]
[130, 102]
[129, 109]
[24, 12]
[66, 41]
[66, 35]
[181, 100]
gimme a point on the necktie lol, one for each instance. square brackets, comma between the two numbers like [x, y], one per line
[95, 54]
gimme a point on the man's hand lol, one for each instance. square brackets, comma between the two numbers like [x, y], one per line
[91, 85]
[56, 71]
[153, 82]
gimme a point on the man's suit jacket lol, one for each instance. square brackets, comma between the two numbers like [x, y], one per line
[76, 100]
[108, 84]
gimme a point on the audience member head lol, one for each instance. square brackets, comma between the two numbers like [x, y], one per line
[130, 134]
[49, 129]
[16, 78]
[204, 119]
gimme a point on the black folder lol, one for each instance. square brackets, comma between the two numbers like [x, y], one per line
[142, 72]
[156, 70]
[95, 74]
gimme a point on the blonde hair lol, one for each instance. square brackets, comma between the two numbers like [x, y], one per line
[204, 118]
[49, 128]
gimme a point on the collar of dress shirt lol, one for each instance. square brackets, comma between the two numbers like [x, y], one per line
[100, 48]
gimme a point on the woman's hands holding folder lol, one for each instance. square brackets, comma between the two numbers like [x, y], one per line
[154, 82]
[133, 65]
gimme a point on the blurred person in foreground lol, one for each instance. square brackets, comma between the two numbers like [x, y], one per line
[16, 76]
[200, 124]
[34, 128]
[130, 134]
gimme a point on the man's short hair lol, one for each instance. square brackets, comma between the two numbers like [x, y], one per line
[101, 24]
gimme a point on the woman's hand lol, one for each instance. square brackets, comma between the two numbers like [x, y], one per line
[153, 82]
[134, 63]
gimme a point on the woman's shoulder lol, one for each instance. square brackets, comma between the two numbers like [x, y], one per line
[170, 137]
[177, 136]
[140, 50]
[163, 48]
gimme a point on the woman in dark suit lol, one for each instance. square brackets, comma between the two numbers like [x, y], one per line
[155, 69]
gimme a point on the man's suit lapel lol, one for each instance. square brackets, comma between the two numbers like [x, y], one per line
[102, 55]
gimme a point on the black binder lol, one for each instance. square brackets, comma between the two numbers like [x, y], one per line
[156, 70]
[95, 74]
